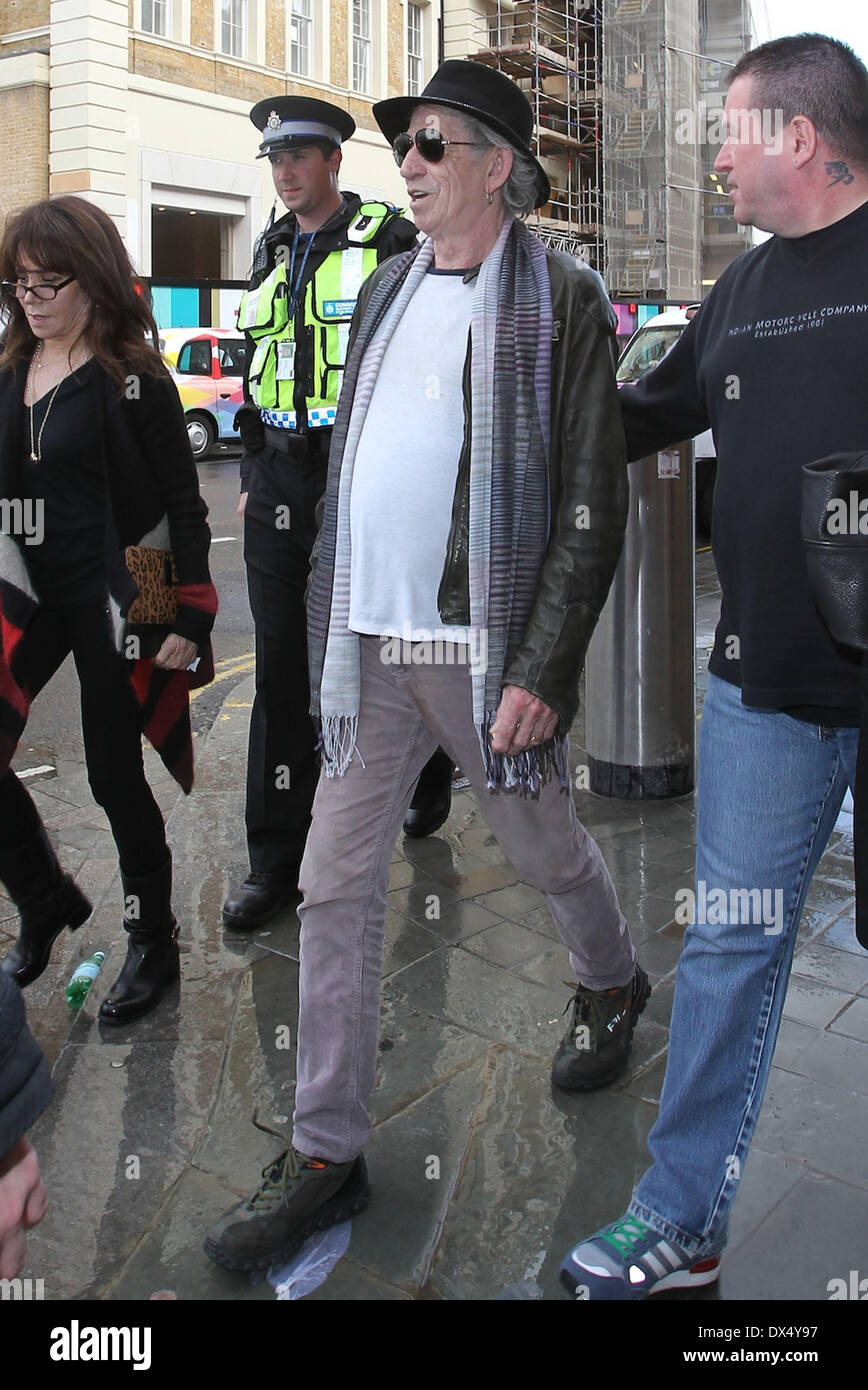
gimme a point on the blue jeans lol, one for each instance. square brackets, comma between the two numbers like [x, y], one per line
[770, 789]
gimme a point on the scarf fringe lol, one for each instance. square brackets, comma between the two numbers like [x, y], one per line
[337, 742]
[526, 772]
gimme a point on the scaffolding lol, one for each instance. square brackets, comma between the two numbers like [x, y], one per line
[552, 51]
[615, 88]
[652, 169]
[726, 31]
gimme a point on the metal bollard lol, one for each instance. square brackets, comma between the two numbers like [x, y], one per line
[640, 674]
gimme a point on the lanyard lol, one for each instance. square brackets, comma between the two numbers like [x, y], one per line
[295, 285]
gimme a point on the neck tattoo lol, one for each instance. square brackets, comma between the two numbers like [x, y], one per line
[839, 172]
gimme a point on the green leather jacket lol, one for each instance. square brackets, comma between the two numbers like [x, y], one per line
[589, 494]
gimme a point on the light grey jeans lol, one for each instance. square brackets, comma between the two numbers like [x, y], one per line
[405, 712]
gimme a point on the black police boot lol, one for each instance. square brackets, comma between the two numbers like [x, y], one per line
[47, 899]
[259, 898]
[432, 799]
[153, 961]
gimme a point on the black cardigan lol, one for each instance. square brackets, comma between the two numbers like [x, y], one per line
[150, 474]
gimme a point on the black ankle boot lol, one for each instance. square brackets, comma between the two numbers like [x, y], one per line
[47, 899]
[152, 960]
[432, 799]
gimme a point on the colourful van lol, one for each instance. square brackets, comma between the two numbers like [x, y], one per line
[207, 365]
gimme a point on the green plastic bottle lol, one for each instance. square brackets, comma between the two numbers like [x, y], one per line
[82, 978]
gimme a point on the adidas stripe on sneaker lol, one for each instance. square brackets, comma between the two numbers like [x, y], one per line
[629, 1260]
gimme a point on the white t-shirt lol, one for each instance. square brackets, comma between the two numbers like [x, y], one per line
[406, 467]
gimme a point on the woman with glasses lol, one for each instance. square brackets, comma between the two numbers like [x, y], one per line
[94, 458]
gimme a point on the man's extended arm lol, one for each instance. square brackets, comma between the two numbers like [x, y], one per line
[668, 404]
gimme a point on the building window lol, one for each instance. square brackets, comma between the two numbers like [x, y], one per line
[155, 17]
[233, 28]
[300, 33]
[499, 28]
[414, 50]
[362, 45]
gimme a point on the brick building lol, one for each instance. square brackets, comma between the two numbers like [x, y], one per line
[142, 105]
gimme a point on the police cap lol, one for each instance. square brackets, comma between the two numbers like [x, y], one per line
[285, 122]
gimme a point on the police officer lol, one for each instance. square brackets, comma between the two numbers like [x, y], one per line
[308, 268]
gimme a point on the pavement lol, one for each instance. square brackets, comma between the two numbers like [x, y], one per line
[482, 1176]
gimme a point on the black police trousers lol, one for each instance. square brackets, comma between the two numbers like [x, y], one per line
[282, 766]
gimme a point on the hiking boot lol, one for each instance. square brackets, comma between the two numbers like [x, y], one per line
[297, 1196]
[630, 1260]
[596, 1046]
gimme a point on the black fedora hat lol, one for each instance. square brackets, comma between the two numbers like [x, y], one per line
[286, 121]
[478, 91]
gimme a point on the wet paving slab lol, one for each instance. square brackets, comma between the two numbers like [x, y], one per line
[169, 1257]
[463, 990]
[118, 1136]
[482, 1174]
[818, 1215]
[541, 1167]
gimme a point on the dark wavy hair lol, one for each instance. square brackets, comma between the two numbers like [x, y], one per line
[71, 236]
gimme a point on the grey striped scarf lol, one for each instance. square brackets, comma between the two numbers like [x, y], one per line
[510, 374]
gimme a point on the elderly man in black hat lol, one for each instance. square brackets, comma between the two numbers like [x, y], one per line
[473, 519]
[308, 269]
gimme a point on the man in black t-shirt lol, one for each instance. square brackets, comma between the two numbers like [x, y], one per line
[774, 363]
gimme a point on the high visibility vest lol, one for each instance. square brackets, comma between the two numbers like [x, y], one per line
[323, 312]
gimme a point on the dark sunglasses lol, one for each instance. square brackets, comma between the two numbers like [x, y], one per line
[428, 141]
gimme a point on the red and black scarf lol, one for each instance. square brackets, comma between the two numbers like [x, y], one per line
[18, 606]
[163, 696]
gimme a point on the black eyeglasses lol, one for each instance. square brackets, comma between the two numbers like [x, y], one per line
[428, 141]
[17, 289]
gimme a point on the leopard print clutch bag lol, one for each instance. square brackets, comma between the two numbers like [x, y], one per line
[156, 578]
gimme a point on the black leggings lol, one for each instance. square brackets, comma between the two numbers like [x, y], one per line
[112, 730]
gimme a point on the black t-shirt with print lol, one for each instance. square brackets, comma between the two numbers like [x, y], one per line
[775, 363]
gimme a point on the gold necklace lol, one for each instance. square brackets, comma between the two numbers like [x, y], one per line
[36, 444]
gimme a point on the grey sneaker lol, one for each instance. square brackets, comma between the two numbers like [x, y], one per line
[630, 1260]
[297, 1196]
[596, 1047]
